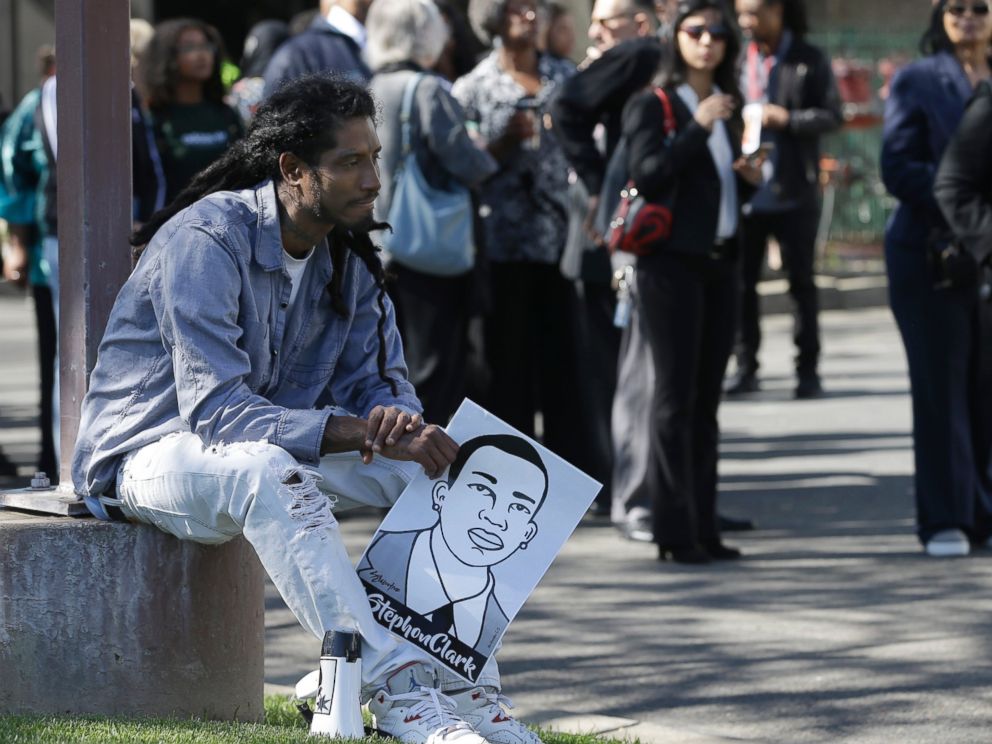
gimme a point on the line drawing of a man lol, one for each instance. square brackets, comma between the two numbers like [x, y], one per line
[485, 513]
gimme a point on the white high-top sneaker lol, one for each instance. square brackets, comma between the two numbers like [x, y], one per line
[411, 708]
[485, 709]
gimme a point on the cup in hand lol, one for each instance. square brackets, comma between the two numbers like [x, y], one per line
[752, 114]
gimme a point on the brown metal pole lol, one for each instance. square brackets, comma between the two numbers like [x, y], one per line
[94, 188]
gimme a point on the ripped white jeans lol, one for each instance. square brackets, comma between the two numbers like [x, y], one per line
[284, 509]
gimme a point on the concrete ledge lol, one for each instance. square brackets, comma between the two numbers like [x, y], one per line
[120, 619]
[835, 293]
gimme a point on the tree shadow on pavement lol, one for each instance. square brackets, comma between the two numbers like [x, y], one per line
[834, 626]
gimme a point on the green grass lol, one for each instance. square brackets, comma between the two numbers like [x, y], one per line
[283, 725]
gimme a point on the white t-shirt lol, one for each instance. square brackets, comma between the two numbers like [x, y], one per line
[296, 267]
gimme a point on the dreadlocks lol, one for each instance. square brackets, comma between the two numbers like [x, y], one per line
[303, 118]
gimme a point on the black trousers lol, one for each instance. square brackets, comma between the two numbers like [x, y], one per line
[689, 307]
[597, 355]
[530, 349]
[795, 231]
[44, 313]
[948, 339]
[432, 314]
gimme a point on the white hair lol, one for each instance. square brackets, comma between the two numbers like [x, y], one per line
[405, 31]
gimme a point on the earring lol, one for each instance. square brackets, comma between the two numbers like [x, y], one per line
[523, 546]
[436, 507]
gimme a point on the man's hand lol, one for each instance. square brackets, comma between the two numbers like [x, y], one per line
[775, 117]
[394, 434]
[429, 446]
[386, 426]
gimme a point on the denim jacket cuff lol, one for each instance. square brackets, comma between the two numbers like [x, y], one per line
[301, 432]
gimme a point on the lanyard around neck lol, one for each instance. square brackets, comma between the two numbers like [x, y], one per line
[756, 88]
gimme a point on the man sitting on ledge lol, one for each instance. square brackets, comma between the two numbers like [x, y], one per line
[237, 355]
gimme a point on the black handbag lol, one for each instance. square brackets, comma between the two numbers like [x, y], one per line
[638, 226]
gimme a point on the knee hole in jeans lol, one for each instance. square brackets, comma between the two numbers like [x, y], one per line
[305, 502]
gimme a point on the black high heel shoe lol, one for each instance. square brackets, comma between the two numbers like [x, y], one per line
[720, 552]
[686, 554]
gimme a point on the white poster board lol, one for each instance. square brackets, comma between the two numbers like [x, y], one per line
[457, 556]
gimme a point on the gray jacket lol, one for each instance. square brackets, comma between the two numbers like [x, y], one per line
[444, 151]
[200, 339]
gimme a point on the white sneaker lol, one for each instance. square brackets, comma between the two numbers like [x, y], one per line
[412, 709]
[485, 709]
[950, 543]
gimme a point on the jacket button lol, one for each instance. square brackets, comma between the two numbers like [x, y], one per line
[275, 352]
[283, 305]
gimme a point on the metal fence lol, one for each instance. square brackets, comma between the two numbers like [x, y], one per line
[856, 205]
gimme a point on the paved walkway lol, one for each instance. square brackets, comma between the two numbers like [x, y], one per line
[834, 628]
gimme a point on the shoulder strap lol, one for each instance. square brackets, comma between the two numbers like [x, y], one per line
[409, 90]
[666, 104]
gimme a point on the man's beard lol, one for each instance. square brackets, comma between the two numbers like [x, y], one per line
[316, 206]
[319, 212]
[365, 224]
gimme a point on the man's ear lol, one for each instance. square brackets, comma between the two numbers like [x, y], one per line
[291, 168]
[438, 493]
[529, 535]
[643, 23]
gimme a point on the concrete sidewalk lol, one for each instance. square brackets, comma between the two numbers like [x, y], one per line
[834, 628]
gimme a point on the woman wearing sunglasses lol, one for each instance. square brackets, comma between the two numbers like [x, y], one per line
[934, 314]
[687, 284]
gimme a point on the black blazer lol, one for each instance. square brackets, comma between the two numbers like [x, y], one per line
[923, 110]
[807, 88]
[598, 94]
[654, 166]
[963, 186]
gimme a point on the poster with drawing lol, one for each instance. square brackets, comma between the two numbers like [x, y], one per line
[457, 556]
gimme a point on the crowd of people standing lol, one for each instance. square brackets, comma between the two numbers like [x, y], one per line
[488, 102]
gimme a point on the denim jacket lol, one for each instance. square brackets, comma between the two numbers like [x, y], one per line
[202, 339]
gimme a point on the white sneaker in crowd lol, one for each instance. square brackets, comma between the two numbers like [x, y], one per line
[950, 543]
[485, 709]
[412, 709]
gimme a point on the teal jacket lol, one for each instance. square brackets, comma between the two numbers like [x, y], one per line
[24, 174]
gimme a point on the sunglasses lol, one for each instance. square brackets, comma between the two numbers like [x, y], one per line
[978, 9]
[717, 32]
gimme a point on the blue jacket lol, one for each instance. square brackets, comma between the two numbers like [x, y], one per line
[202, 339]
[321, 48]
[924, 108]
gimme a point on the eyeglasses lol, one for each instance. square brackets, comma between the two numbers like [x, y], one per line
[717, 32]
[978, 9]
[611, 19]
